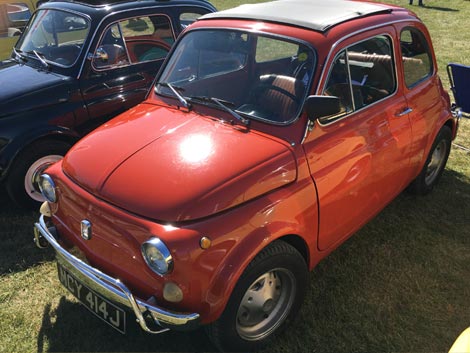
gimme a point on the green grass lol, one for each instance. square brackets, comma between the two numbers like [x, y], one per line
[401, 284]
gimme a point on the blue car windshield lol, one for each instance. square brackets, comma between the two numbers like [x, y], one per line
[55, 36]
[257, 76]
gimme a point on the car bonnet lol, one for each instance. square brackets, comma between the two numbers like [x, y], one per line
[170, 165]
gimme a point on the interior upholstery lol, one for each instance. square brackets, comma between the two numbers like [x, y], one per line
[278, 94]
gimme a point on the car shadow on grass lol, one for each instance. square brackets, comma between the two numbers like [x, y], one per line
[70, 327]
[16, 233]
[440, 8]
[399, 284]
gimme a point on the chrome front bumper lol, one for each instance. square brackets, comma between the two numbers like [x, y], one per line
[113, 289]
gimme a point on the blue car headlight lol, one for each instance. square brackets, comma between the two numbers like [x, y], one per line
[157, 256]
[47, 187]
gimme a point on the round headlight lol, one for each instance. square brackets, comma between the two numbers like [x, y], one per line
[157, 256]
[47, 187]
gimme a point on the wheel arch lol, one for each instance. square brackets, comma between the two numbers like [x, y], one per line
[235, 264]
[299, 244]
[448, 123]
[452, 125]
[15, 148]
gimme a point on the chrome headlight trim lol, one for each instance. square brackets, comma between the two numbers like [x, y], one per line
[157, 256]
[47, 187]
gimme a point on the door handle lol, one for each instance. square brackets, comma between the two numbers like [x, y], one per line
[404, 112]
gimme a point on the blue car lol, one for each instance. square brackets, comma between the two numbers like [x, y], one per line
[76, 65]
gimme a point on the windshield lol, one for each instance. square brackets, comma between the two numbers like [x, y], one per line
[259, 77]
[56, 36]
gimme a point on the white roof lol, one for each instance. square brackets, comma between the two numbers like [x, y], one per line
[318, 15]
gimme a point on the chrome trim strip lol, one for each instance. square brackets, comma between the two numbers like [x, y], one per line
[114, 290]
[351, 91]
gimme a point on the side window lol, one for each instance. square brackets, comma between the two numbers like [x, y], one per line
[134, 40]
[148, 38]
[13, 18]
[363, 72]
[417, 62]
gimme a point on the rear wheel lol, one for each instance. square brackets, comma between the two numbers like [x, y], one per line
[435, 163]
[267, 296]
[22, 180]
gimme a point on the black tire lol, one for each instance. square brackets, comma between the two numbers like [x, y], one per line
[279, 273]
[30, 163]
[434, 165]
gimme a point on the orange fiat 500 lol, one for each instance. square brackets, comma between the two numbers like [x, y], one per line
[273, 132]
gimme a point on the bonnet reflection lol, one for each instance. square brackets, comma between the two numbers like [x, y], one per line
[196, 148]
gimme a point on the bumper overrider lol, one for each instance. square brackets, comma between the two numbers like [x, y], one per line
[113, 289]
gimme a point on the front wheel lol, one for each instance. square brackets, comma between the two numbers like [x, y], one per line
[22, 180]
[267, 296]
[435, 163]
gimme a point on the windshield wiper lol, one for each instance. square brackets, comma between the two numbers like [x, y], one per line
[40, 56]
[19, 54]
[225, 106]
[175, 89]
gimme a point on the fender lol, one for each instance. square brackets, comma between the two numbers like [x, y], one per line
[16, 137]
[444, 119]
[261, 234]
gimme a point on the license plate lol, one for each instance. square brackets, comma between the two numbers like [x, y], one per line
[106, 311]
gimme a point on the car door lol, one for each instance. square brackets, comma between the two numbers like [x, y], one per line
[125, 56]
[122, 64]
[422, 89]
[359, 159]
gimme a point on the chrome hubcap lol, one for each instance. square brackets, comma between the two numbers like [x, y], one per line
[265, 304]
[31, 178]
[436, 163]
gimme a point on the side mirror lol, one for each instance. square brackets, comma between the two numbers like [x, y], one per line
[318, 107]
[100, 55]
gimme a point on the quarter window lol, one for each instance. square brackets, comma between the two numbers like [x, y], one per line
[362, 74]
[339, 84]
[111, 52]
[417, 63]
